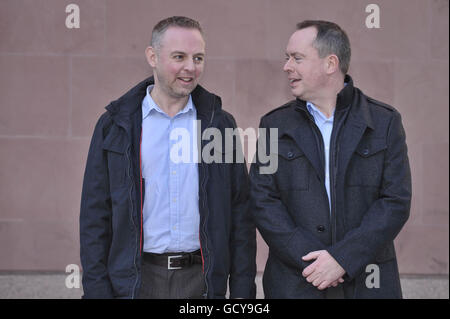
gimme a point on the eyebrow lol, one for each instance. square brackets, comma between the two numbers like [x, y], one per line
[295, 53]
[184, 53]
[177, 52]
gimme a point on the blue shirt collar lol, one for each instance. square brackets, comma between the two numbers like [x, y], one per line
[317, 114]
[149, 104]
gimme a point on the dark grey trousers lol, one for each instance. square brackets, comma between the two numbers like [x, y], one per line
[158, 282]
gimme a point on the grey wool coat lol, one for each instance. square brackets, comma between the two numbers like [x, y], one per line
[370, 191]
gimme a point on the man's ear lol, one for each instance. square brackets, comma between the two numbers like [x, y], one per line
[150, 54]
[332, 64]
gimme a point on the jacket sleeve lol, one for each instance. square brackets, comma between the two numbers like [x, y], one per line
[387, 215]
[243, 231]
[95, 218]
[288, 241]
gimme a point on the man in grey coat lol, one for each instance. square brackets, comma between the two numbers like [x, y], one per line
[342, 189]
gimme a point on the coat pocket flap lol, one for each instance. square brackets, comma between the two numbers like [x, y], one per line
[366, 150]
[115, 141]
[289, 151]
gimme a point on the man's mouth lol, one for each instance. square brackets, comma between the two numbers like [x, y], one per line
[292, 81]
[185, 79]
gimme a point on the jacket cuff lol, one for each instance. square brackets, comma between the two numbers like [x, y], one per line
[98, 292]
[351, 267]
[243, 288]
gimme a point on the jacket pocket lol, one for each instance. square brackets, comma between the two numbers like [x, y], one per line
[114, 147]
[366, 165]
[220, 164]
[385, 254]
[292, 173]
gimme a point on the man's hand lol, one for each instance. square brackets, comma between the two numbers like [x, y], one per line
[324, 272]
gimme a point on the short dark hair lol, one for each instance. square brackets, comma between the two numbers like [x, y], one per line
[330, 39]
[175, 21]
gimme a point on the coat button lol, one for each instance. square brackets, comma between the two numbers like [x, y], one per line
[366, 151]
[320, 228]
[290, 154]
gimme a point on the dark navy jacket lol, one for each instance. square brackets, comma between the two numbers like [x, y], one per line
[111, 235]
[370, 191]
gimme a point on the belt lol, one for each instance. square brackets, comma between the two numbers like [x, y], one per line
[174, 260]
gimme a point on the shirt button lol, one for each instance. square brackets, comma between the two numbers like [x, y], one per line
[174, 200]
[174, 172]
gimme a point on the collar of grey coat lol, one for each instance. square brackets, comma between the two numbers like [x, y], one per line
[349, 97]
[344, 97]
[359, 118]
[123, 109]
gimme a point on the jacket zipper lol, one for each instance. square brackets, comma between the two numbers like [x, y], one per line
[141, 238]
[333, 188]
[131, 216]
[204, 269]
[334, 153]
[203, 187]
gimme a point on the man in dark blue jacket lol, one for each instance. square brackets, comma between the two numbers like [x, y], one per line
[160, 216]
[342, 190]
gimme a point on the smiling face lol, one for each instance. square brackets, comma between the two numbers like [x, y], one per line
[178, 61]
[305, 69]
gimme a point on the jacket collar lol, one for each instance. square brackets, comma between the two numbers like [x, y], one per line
[349, 97]
[343, 100]
[345, 96]
[359, 118]
[123, 108]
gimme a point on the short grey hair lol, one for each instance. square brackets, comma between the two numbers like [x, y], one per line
[330, 39]
[176, 21]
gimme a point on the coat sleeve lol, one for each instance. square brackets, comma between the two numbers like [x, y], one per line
[95, 218]
[387, 215]
[243, 232]
[288, 241]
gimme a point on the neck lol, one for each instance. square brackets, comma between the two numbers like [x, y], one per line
[327, 102]
[168, 104]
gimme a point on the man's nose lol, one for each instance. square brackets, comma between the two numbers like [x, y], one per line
[189, 65]
[287, 66]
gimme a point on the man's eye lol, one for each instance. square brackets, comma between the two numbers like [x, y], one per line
[198, 59]
[178, 57]
[298, 59]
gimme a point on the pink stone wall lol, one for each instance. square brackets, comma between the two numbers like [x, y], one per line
[55, 82]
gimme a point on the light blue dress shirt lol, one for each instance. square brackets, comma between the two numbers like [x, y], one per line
[325, 126]
[170, 213]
